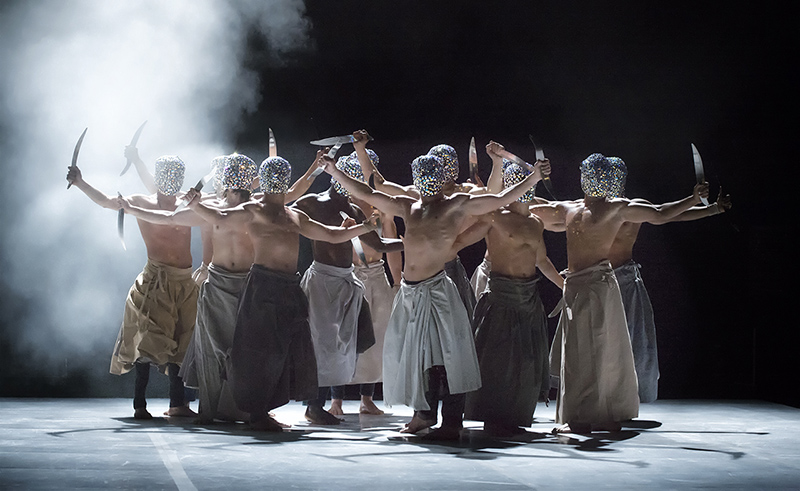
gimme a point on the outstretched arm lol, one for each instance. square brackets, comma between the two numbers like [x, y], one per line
[391, 205]
[722, 204]
[479, 205]
[368, 169]
[184, 217]
[233, 218]
[132, 154]
[638, 212]
[495, 183]
[76, 178]
[315, 230]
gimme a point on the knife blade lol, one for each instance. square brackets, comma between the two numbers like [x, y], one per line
[121, 224]
[134, 140]
[355, 241]
[699, 173]
[331, 154]
[75, 153]
[197, 187]
[273, 146]
[333, 140]
[548, 184]
[473, 161]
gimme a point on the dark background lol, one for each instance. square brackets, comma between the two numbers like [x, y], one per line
[625, 79]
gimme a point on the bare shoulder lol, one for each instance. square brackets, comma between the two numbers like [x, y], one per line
[306, 202]
[143, 200]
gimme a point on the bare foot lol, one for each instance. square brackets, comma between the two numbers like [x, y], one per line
[368, 406]
[266, 423]
[336, 407]
[319, 416]
[141, 413]
[181, 412]
[417, 424]
[444, 433]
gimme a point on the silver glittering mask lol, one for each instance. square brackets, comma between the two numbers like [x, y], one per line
[428, 174]
[373, 157]
[275, 174]
[603, 176]
[169, 174]
[514, 173]
[218, 166]
[350, 166]
[239, 172]
[449, 158]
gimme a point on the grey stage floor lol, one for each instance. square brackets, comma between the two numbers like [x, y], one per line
[95, 443]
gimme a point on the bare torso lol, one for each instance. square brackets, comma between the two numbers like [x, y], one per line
[592, 224]
[513, 241]
[432, 226]
[325, 208]
[622, 248]
[275, 234]
[232, 247]
[167, 244]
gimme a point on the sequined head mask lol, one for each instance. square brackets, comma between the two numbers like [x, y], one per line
[449, 158]
[514, 173]
[350, 166]
[239, 172]
[603, 176]
[275, 174]
[218, 166]
[428, 174]
[169, 174]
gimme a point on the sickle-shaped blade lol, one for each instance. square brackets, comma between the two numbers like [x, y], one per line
[355, 241]
[333, 140]
[473, 161]
[134, 140]
[121, 224]
[510, 156]
[198, 187]
[273, 146]
[699, 173]
[548, 184]
[331, 154]
[75, 153]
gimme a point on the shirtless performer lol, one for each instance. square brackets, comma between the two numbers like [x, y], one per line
[272, 358]
[378, 293]
[429, 352]
[335, 296]
[162, 304]
[638, 309]
[449, 159]
[510, 324]
[592, 349]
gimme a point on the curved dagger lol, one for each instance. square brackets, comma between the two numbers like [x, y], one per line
[333, 140]
[134, 140]
[473, 161]
[198, 187]
[273, 146]
[355, 241]
[75, 153]
[121, 224]
[548, 185]
[699, 173]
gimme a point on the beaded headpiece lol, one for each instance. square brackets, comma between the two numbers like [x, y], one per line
[514, 173]
[218, 166]
[275, 174]
[428, 175]
[449, 158]
[603, 176]
[169, 174]
[350, 166]
[239, 172]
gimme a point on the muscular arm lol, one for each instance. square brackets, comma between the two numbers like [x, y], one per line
[547, 268]
[232, 218]
[368, 169]
[637, 212]
[552, 214]
[701, 211]
[315, 230]
[480, 205]
[495, 183]
[391, 205]
[184, 217]
[301, 185]
[75, 177]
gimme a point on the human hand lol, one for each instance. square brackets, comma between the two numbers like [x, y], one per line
[74, 175]
[700, 191]
[723, 201]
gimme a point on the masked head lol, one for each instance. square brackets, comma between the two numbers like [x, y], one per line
[218, 166]
[514, 173]
[428, 174]
[449, 158]
[373, 157]
[168, 177]
[239, 173]
[603, 176]
[350, 166]
[275, 174]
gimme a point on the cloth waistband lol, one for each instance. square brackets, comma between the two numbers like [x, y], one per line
[437, 277]
[220, 271]
[171, 272]
[520, 288]
[370, 269]
[259, 270]
[629, 268]
[602, 266]
[331, 270]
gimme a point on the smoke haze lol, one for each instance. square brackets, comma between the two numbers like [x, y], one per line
[109, 66]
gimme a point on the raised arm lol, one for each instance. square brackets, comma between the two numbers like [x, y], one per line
[638, 212]
[301, 185]
[76, 178]
[368, 169]
[495, 183]
[391, 205]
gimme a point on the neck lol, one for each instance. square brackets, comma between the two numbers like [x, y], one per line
[273, 199]
[164, 200]
[520, 208]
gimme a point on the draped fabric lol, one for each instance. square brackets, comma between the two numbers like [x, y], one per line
[480, 278]
[379, 295]
[455, 270]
